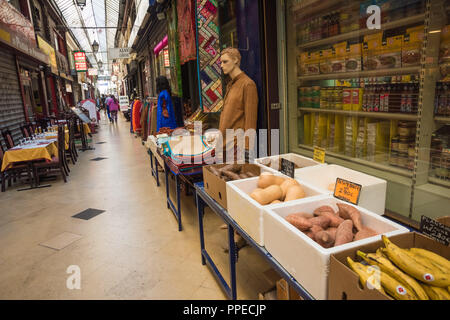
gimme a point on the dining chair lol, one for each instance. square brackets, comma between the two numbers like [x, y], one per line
[57, 163]
[7, 136]
[71, 152]
[25, 131]
[11, 173]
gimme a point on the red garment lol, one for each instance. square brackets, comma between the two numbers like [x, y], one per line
[137, 115]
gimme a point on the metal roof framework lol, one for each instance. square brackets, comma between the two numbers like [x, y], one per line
[97, 21]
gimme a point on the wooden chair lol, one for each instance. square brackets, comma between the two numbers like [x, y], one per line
[57, 163]
[71, 152]
[11, 173]
[9, 141]
[25, 131]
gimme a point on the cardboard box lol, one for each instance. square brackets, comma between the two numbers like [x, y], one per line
[273, 163]
[247, 212]
[302, 257]
[444, 220]
[373, 192]
[286, 292]
[268, 295]
[343, 283]
[216, 187]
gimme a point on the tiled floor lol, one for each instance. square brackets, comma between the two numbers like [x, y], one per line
[131, 251]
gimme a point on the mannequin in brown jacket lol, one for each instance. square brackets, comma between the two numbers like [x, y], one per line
[240, 110]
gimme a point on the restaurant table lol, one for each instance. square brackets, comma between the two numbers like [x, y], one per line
[37, 150]
[54, 135]
[203, 200]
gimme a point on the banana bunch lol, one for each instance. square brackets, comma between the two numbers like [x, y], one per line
[405, 274]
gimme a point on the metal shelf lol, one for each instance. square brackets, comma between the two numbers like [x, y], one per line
[378, 115]
[367, 163]
[362, 74]
[442, 119]
[363, 32]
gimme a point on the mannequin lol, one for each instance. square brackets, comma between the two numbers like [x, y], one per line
[240, 110]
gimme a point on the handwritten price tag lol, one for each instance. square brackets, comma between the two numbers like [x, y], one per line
[319, 155]
[347, 191]
[435, 230]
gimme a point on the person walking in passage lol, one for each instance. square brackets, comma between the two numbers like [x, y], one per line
[113, 108]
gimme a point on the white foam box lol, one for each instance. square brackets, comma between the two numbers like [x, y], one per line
[307, 261]
[247, 212]
[373, 191]
[275, 162]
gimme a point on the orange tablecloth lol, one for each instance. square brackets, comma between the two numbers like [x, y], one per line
[38, 150]
[54, 135]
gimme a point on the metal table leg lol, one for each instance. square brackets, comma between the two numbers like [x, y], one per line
[201, 213]
[232, 257]
[178, 213]
[167, 185]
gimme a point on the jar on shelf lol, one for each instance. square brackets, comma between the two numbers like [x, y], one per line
[394, 143]
[393, 158]
[403, 159]
[412, 150]
[403, 144]
[406, 129]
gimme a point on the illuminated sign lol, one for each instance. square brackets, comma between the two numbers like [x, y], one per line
[80, 61]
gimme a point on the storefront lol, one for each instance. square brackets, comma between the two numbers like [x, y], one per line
[374, 99]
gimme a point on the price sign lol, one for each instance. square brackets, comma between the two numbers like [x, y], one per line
[436, 230]
[347, 191]
[319, 155]
[287, 168]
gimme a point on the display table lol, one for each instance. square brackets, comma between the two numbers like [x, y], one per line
[180, 177]
[203, 199]
[156, 159]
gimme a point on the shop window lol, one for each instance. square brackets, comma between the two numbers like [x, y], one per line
[358, 93]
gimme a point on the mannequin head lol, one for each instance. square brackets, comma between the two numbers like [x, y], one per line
[230, 62]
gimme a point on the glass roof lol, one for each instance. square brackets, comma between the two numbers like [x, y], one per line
[95, 16]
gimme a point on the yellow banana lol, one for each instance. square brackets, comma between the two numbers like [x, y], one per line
[395, 288]
[364, 276]
[436, 293]
[433, 257]
[415, 267]
[387, 267]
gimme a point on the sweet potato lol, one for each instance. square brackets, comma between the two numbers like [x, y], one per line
[243, 176]
[365, 233]
[349, 212]
[310, 234]
[232, 167]
[214, 171]
[344, 233]
[300, 223]
[335, 220]
[322, 221]
[250, 174]
[324, 239]
[231, 175]
[324, 209]
[304, 215]
[315, 228]
[332, 232]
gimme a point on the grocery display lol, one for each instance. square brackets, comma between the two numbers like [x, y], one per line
[406, 274]
[369, 96]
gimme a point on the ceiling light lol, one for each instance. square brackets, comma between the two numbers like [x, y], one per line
[100, 64]
[95, 46]
[81, 3]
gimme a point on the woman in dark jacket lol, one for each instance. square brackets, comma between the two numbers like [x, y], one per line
[165, 110]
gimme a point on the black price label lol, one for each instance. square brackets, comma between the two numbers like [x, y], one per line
[435, 230]
[287, 168]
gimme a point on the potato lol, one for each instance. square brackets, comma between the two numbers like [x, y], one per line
[276, 202]
[310, 234]
[304, 215]
[243, 176]
[300, 223]
[287, 184]
[214, 171]
[315, 228]
[322, 221]
[344, 233]
[294, 192]
[232, 167]
[267, 195]
[332, 232]
[349, 212]
[365, 233]
[250, 174]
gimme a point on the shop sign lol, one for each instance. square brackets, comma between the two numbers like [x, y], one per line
[347, 191]
[119, 53]
[68, 87]
[166, 58]
[50, 52]
[124, 102]
[93, 72]
[80, 61]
